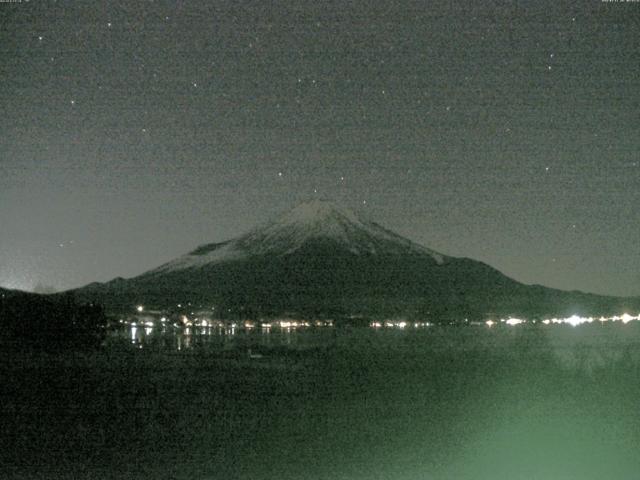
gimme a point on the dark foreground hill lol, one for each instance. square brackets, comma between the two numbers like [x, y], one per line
[49, 321]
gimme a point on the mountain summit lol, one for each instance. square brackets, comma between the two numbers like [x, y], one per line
[321, 260]
[309, 224]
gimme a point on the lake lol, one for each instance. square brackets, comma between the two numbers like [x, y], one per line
[517, 402]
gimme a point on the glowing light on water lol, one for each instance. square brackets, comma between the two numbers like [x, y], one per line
[143, 324]
[396, 324]
[575, 320]
[626, 318]
[513, 321]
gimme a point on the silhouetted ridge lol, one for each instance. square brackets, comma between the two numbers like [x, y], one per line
[319, 259]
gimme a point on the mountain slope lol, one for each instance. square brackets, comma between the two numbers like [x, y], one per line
[307, 223]
[321, 260]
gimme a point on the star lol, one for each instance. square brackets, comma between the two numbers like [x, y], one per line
[279, 174]
[73, 102]
[40, 38]
[195, 85]
[109, 24]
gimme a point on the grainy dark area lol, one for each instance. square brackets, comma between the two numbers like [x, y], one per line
[450, 402]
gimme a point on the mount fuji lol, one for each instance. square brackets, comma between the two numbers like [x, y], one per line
[321, 260]
[308, 224]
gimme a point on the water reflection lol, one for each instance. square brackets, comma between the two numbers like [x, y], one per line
[585, 345]
[134, 335]
[225, 337]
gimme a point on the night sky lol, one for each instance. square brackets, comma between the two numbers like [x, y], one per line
[504, 131]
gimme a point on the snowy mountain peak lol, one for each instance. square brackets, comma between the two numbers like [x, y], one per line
[317, 211]
[317, 219]
[309, 222]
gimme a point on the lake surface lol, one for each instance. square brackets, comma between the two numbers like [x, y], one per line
[522, 402]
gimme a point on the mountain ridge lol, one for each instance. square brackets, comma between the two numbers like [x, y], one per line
[319, 259]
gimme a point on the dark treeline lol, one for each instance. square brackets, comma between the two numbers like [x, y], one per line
[50, 322]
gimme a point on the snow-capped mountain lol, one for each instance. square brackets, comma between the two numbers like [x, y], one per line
[312, 221]
[319, 259]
